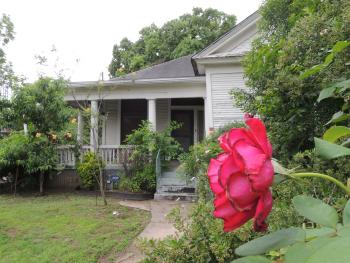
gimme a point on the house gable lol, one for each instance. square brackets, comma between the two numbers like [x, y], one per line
[234, 43]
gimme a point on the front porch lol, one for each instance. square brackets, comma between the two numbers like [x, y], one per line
[117, 107]
[118, 118]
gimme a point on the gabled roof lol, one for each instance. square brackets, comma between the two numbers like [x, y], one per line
[235, 43]
[178, 68]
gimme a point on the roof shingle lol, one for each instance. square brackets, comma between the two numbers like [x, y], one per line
[178, 68]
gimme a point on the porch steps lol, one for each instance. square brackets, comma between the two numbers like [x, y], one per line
[171, 187]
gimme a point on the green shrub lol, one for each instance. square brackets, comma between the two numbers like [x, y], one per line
[308, 161]
[202, 239]
[142, 174]
[88, 169]
[128, 184]
[141, 181]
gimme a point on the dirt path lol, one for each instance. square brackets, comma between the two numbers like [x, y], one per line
[158, 228]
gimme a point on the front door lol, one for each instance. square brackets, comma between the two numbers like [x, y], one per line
[184, 135]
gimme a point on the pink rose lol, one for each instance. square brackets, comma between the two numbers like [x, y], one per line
[241, 176]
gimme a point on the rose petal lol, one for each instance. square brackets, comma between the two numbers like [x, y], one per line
[222, 156]
[258, 131]
[238, 134]
[229, 167]
[263, 180]
[213, 175]
[253, 157]
[239, 219]
[224, 143]
[240, 192]
[220, 199]
[262, 211]
[225, 210]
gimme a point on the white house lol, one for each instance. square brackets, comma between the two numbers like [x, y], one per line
[193, 90]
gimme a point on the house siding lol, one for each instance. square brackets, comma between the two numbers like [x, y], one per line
[243, 47]
[223, 108]
[162, 114]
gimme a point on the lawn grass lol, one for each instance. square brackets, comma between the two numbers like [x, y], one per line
[65, 228]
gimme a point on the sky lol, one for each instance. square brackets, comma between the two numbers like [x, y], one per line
[77, 36]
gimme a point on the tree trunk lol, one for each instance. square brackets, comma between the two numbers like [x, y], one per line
[102, 190]
[16, 178]
[42, 177]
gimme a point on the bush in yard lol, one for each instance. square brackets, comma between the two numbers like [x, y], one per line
[202, 239]
[294, 36]
[88, 169]
[13, 157]
[140, 181]
[148, 143]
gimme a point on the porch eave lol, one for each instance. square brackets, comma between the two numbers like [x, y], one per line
[139, 82]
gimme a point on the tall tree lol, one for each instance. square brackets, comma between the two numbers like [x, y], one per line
[42, 107]
[295, 35]
[6, 73]
[179, 37]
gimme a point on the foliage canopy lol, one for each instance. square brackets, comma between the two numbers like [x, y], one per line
[294, 36]
[179, 37]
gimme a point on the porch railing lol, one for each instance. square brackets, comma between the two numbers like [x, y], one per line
[112, 155]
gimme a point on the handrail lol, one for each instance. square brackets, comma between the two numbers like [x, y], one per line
[158, 168]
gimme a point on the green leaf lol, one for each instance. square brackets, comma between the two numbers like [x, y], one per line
[273, 241]
[316, 210]
[320, 250]
[346, 213]
[329, 150]
[301, 252]
[344, 231]
[346, 142]
[318, 232]
[344, 85]
[338, 117]
[278, 168]
[326, 93]
[252, 259]
[278, 178]
[328, 60]
[336, 132]
[340, 46]
[312, 71]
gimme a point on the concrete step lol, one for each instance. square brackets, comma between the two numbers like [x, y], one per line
[176, 196]
[175, 189]
[172, 166]
[169, 174]
[171, 181]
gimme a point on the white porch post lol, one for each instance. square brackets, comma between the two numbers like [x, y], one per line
[94, 124]
[195, 125]
[152, 115]
[80, 128]
[206, 116]
[25, 128]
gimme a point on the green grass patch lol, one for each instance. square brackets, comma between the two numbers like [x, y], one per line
[65, 228]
